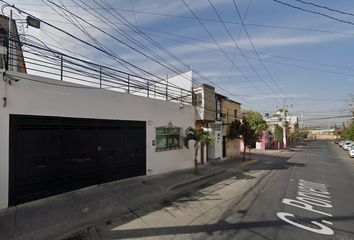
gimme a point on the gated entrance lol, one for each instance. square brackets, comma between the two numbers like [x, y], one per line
[53, 155]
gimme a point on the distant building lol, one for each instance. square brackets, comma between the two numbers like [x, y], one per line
[11, 55]
[291, 122]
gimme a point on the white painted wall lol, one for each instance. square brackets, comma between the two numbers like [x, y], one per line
[34, 95]
[179, 86]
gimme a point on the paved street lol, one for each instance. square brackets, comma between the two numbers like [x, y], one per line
[248, 203]
[305, 192]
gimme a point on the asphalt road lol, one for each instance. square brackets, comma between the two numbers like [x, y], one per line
[309, 196]
[304, 193]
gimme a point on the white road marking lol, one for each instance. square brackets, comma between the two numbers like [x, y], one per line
[324, 221]
[312, 194]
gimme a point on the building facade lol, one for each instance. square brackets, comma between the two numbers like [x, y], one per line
[57, 136]
[214, 112]
[11, 55]
[230, 111]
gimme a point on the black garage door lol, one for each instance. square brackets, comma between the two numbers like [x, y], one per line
[52, 155]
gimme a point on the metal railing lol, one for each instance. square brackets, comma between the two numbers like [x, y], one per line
[44, 62]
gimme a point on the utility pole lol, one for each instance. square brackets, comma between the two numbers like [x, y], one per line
[10, 59]
[284, 126]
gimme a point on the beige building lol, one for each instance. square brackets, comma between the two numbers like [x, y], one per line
[229, 111]
[215, 112]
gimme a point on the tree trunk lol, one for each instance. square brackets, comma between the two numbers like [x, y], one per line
[196, 162]
[249, 155]
[244, 153]
[278, 145]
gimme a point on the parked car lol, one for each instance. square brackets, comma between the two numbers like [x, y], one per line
[346, 144]
[337, 140]
[340, 144]
[350, 146]
[351, 151]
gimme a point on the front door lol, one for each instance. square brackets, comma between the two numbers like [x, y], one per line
[224, 146]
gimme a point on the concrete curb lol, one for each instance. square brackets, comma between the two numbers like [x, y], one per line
[248, 163]
[196, 180]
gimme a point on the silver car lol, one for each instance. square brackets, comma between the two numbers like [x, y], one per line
[341, 143]
[351, 151]
[346, 144]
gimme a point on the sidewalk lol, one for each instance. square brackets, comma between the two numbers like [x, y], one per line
[289, 146]
[63, 215]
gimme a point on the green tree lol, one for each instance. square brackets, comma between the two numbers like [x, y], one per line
[278, 134]
[349, 133]
[243, 130]
[199, 137]
[256, 121]
[299, 134]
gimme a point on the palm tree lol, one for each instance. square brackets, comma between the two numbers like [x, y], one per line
[199, 137]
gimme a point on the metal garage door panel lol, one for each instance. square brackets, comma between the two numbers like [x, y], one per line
[110, 162]
[134, 152]
[38, 165]
[79, 159]
[138, 160]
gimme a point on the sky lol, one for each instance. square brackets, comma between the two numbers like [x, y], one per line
[260, 53]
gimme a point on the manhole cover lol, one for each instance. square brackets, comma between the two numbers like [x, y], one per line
[147, 182]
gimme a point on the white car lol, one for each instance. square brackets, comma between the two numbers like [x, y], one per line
[350, 146]
[341, 143]
[351, 151]
[346, 144]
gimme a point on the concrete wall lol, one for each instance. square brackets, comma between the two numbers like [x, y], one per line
[322, 136]
[34, 95]
[233, 148]
[178, 88]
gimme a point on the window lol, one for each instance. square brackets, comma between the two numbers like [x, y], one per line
[235, 114]
[167, 139]
[197, 99]
[218, 108]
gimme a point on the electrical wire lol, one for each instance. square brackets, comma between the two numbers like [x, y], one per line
[203, 19]
[324, 7]
[259, 58]
[236, 45]
[317, 13]
[223, 50]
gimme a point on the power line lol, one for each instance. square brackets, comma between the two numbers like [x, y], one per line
[206, 19]
[318, 13]
[172, 34]
[196, 72]
[223, 50]
[236, 45]
[110, 53]
[254, 49]
[324, 7]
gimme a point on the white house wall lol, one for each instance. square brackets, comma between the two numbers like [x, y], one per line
[179, 88]
[34, 95]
